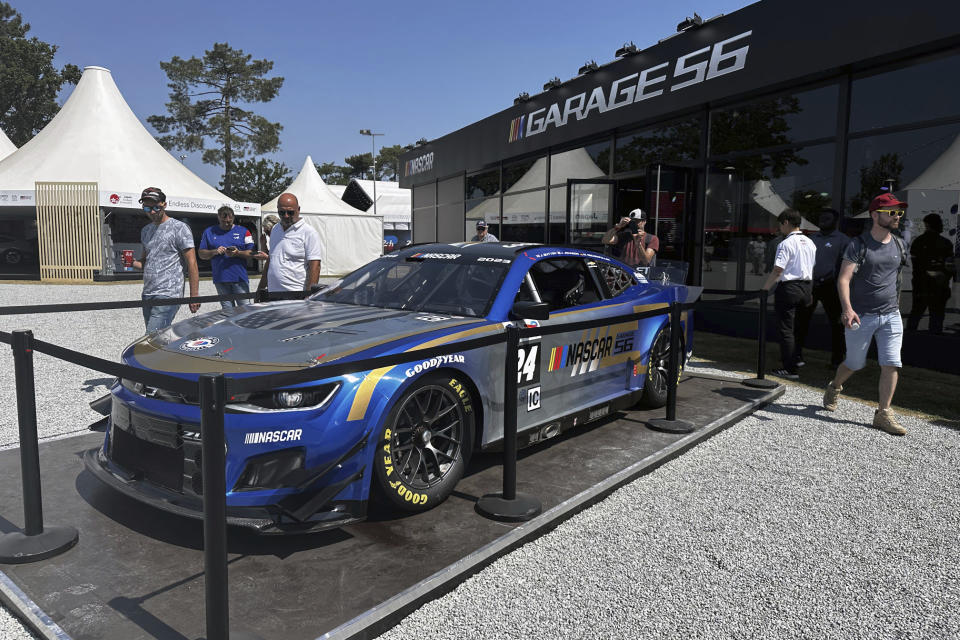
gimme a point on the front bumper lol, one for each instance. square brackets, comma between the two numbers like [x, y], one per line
[263, 520]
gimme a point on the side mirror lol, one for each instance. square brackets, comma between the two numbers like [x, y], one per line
[530, 310]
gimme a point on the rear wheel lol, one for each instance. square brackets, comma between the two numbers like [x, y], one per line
[425, 443]
[658, 368]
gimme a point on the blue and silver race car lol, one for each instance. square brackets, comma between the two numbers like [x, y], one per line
[311, 456]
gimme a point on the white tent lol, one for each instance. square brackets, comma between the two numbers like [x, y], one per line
[6, 147]
[97, 138]
[350, 237]
[393, 203]
[768, 199]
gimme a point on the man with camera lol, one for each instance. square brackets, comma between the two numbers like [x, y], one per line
[629, 241]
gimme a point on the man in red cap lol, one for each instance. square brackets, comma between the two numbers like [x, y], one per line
[869, 288]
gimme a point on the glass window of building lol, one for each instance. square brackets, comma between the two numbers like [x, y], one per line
[916, 93]
[425, 195]
[744, 197]
[450, 190]
[523, 216]
[482, 209]
[483, 184]
[775, 121]
[525, 174]
[922, 159]
[590, 161]
[663, 143]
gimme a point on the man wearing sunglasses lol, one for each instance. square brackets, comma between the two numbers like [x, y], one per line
[869, 288]
[167, 251]
[295, 251]
[227, 246]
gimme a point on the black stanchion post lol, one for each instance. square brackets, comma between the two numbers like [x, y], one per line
[35, 542]
[760, 382]
[213, 397]
[509, 505]
[670, 424]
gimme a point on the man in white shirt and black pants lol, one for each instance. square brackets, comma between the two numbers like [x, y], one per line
[793, 268]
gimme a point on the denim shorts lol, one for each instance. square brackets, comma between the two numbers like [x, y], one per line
[887, 328]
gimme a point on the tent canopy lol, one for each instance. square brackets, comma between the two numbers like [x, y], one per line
[313, 194]
[6, 147]
[350, 237]
[95, 137]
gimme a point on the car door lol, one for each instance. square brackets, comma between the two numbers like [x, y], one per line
[563, 373]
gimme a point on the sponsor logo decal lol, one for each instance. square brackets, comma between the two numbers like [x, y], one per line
[435, 256]
[623, 342]
[114, 198]
[199, 344]
[533, 399]
[420, 164]
[690, 69]
[582, 356]
[499, 260]
[432, 318]
[434, 362]
[528, 364]
[281, 435]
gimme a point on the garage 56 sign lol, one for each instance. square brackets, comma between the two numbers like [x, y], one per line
[687, 70]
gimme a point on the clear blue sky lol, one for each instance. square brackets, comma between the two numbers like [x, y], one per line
[408, 69]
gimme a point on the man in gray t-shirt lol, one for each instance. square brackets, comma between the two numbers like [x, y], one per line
[167, 249]
[867, 286]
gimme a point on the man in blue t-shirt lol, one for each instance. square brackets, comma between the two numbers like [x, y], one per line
[228, 246]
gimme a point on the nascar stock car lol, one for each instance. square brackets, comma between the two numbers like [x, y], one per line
[310, 456]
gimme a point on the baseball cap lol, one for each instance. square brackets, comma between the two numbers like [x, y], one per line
[481, 223]
[153, 193]
[886, 201]
[637, 213]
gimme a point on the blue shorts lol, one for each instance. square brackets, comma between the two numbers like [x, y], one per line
[887, 328]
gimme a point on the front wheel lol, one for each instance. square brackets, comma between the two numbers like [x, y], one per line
[425, 443]
[658, 367]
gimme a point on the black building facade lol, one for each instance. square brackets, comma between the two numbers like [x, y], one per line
[714, 131]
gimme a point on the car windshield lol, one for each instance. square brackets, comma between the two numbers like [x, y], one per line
[451, 286]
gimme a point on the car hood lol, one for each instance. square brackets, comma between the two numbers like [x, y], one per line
[282, 336]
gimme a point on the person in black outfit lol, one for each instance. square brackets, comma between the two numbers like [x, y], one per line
[830, 245]
[932, 256]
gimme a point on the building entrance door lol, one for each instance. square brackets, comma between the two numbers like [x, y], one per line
[589, 212]
[673, 210]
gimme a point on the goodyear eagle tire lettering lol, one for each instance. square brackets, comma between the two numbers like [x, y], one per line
[425, 443]
[655, 385]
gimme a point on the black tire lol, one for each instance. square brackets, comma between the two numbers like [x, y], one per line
[425, 443]
[12, 256]
[655, 386]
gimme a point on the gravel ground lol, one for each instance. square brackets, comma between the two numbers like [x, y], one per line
[794, 523]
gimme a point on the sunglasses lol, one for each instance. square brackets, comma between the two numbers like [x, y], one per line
[286, 212]
[157, 207]
[892, 212]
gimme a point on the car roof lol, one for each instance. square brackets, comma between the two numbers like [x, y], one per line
[492, 250]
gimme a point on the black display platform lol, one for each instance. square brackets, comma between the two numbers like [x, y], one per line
[138, 573]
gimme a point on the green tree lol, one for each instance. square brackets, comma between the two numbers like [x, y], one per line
[257, 180]
[333, 173]
[388, 162]
[29, 81]
[358, 166]
[205, 98]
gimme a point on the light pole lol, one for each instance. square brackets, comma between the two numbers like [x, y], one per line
[373, 149]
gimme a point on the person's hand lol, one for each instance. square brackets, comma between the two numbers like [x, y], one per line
[194, 307]
[849, 318]
[624, 221]
[232, 251]
[221, 250]
[260, 255]
[137, 264]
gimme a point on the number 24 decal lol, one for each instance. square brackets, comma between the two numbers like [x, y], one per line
[528, 364]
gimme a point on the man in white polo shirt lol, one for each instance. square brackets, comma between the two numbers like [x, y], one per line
[295, 251]
[793, 268]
